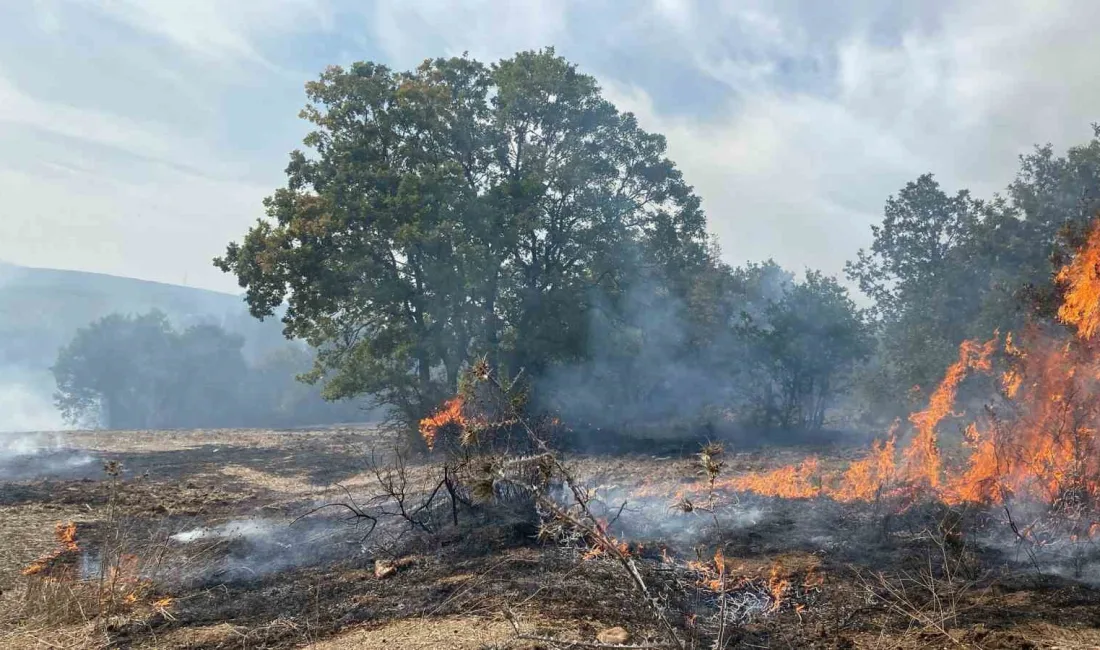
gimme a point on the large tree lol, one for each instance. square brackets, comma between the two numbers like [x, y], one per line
[460, 209]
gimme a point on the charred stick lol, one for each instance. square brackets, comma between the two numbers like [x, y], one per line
[573, 644]
[451, 491]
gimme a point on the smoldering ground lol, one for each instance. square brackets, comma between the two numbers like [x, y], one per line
[30, 456]
[242, 550]
[29, 448]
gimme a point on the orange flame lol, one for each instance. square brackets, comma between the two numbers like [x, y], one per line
[65, 534]
[922, 461]
[778, 586]
[449, 414]
[1047, 448]
[1081, 277]
[791, 482]
[865, 478]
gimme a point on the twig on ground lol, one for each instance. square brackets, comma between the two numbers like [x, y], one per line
[562, 643]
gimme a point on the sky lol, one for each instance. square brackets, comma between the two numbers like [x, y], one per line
[139, 137]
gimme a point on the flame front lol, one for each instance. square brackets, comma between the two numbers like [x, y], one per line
[65, 534]
[1043, 446]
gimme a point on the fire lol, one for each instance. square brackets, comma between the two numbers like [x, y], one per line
[922, 461]
[1044, 446]
[65, 534]
[791, 482]
[449, 414]
[865, 478]
[778, 585]
[1081, 278]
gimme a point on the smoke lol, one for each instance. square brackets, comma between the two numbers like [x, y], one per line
[26, 406]
[652, 520]
[247, 549]
[641, 367]
[30, 448]
[31, 456]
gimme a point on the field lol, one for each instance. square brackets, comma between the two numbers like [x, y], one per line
[193, 540]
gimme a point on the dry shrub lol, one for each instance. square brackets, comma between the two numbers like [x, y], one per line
[90, 584]
[932, 596]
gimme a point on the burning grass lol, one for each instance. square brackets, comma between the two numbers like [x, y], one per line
[911, 541]
[1035, 447]
[786, 567]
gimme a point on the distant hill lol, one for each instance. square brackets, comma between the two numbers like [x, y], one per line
[41, 309]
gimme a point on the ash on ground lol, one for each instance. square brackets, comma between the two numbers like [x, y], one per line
[32, 456]
[242, 550]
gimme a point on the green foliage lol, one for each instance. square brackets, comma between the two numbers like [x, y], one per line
[138, 372]
[804, 341]
[461, 209]
[944, 268]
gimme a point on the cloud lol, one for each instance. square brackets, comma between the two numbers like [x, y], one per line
[794, 119]
[409, 32]
[799, 171]
[216, 31]
[128, 134]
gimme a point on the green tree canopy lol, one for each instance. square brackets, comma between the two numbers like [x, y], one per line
[460, 209]
[139, 372]
[944, 268]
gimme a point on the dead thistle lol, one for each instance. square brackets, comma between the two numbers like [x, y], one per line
[710, 460]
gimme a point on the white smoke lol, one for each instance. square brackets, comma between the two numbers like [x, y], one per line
[244, 528]
[24, 409]
[245, 549]
[30, 445]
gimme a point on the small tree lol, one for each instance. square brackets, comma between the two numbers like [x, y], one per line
[806, 342]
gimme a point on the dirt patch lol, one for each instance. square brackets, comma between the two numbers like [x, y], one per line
[458, 632]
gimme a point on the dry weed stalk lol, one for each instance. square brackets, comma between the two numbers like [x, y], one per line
[932, 597]
[92, 587]
[578, 515]
[397, 498]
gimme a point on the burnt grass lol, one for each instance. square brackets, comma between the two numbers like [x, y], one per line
[829, 554]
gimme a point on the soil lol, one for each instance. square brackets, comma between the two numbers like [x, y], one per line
[277, 582]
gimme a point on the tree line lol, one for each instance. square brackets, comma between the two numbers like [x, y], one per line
[141, 372]
[945, 267]
[507, 211]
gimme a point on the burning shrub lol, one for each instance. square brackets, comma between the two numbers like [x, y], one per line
[1037, 443]
[445, 421]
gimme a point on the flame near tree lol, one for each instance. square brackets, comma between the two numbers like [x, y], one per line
[1039, 444]
[450, 414]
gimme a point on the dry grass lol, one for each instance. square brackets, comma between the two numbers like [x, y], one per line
[451, 599]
